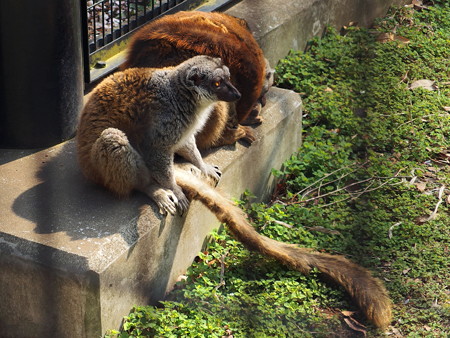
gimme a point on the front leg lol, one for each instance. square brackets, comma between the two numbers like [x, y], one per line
[162, 187]
[190, 152]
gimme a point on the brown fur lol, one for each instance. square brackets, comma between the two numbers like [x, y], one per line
[111, 91]
[175, 38]
[368, 291]
[113, 152]
[136, 120]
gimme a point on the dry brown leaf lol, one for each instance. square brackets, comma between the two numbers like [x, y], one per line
[429, 174]
[328, 89]
[406, 271]
[401, 39]
[348, 313]
[422, 219]
[448, 199]
[350, 24]
[418, 4]
[421, 186]
[424, 83]
[446, 108]
[396, 332]
[385, 37]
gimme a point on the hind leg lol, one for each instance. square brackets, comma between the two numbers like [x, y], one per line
[254, 117]
[116, 161]
[232, 134]
[122, 169]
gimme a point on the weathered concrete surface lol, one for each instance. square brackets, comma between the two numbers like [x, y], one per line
[74, 259]
[280, 26]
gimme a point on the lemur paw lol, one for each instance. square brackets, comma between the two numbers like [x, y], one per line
[169, 202]
[213, 171]
[183, 204]
[249, 135]
[254, 118]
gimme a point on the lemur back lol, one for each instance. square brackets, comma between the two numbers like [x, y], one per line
[175, 38]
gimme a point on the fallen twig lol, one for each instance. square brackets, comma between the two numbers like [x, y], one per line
[222, 271]
[287, 225]
[392, 228]
[434, 213]
[358, 192]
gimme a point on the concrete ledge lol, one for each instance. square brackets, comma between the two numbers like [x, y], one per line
[74, 260]
[280, 26]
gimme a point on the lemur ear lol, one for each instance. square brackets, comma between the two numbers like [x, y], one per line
[194, 77]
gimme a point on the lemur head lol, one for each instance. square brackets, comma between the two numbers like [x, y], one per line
[269, 77]
[210, 78]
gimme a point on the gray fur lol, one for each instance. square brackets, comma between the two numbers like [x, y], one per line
[145, 116]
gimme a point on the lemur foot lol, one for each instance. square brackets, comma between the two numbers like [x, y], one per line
[232, 134]
[167, 201]
[183, 202]
[254, 118]
[249, 135]
[213, 171]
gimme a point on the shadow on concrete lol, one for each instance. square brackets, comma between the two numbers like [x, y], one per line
[69, 213]
[65, 201]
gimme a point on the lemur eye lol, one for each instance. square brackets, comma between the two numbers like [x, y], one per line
[217, 83]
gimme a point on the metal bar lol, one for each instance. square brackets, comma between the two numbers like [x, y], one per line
[120, 17]
[128, 14]
[111, 19]
[94, 26]
[103, 22]
[85, 40]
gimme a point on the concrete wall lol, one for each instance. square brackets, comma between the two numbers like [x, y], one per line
[280, 26]
[74, 259]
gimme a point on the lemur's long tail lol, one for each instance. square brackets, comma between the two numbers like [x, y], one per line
[368, 291]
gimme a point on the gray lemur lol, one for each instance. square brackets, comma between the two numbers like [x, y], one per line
[136, 120]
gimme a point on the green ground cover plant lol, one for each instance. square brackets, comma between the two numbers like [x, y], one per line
[370, 182]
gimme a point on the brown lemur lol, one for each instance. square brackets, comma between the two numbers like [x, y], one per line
[174, 38]
[137, 119]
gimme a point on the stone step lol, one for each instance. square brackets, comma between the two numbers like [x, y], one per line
[74, 259]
